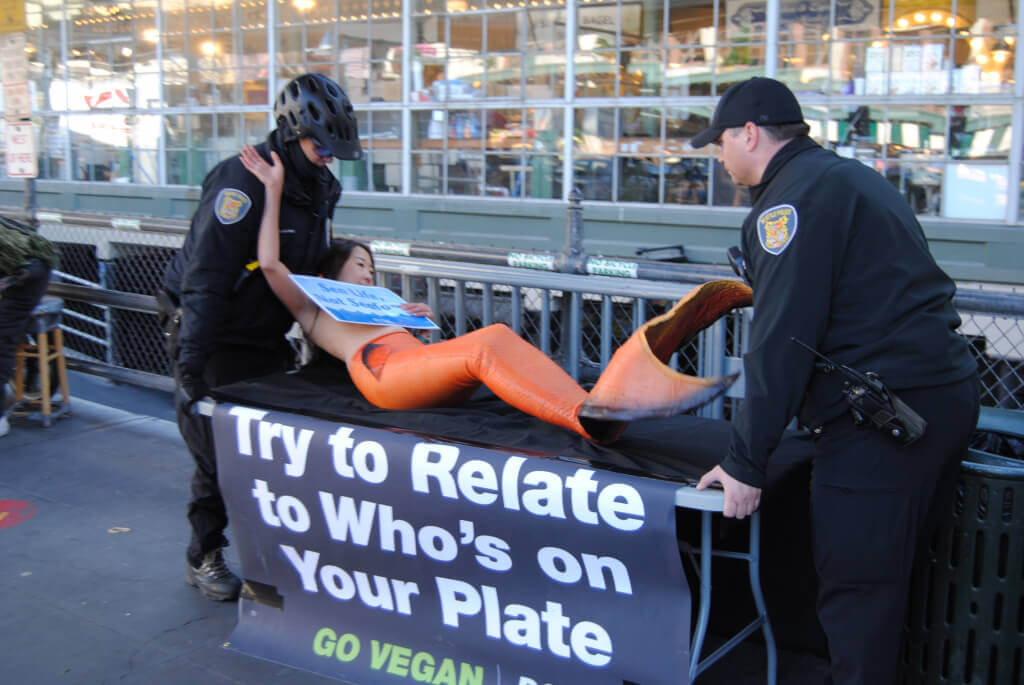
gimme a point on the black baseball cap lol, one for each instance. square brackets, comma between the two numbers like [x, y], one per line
[763, 101]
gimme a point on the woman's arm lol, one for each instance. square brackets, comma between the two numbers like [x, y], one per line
[268, 249]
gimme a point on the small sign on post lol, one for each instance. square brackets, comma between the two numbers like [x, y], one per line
[12, 16]
[21, 150]
[17, 101]
[13, 60]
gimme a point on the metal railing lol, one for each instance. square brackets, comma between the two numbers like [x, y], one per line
[110, 270]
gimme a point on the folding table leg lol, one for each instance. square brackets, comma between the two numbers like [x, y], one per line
[752, 557]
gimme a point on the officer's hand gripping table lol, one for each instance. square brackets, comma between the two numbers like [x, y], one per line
[709, 502]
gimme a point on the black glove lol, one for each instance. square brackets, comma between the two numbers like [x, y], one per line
[191, 389]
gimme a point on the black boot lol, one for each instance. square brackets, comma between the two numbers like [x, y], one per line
[213, 578]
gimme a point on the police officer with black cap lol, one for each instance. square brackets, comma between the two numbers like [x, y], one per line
[839, 264]
[223, 324]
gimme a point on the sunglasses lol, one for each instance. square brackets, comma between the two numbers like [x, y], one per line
[321, 149]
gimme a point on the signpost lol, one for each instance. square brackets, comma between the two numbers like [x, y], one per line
[20, 148]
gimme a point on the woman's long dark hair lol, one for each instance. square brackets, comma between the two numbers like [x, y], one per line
[337, 254]
[330, 265]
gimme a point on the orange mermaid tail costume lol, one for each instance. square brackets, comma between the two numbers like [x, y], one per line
[397, 371]
[638, 383]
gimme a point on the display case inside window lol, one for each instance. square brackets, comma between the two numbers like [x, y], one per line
[504, 130]
[465, 129]
[255, 126]
[428, 173]
[682, 124]
[464, 173]
[504, 76]
[689, 40]
[988, 65]
[175, 72]
[114, 147]
[227, 127]
[597, 73]
[975, 190]
[640, 72]
[917, 148]
[594, 130]
[546, 29]
[507, 139]
[504, 31]
[686, 180]
[353, 174]
[544, 76]
[817, 119]
[385, 167]
[980, 131]
[502, 174]
[639, 179]
[428, 128]
[53, 153]
[380, 129]
[355, 76]
[804, 66]
[593, 177]
[920, 183]
[290, 44]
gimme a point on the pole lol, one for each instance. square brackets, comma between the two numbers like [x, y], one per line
[573, 259]
[30, 203]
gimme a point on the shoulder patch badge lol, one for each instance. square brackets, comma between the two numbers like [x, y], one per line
[231, 205]
[776, 227]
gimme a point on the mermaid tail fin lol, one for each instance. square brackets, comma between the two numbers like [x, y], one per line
[638, 383]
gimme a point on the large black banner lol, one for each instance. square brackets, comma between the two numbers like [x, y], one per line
[376, 556]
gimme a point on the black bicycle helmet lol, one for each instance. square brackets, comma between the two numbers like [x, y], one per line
[314, 106]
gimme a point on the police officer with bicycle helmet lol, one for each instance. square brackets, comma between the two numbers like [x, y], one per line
[221, 321]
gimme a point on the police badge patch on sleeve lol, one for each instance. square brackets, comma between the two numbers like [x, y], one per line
[776, 227]
[231, 205]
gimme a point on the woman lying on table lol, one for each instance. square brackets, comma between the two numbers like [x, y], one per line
[394, 370]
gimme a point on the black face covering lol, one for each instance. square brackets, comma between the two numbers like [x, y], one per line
[302, 179]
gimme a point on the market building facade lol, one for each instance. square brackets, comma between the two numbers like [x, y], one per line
[479, 116]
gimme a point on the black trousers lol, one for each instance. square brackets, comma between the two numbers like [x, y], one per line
[207, 514]
[16, 304]
[874, 503]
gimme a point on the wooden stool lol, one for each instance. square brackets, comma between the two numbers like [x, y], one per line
[45, 322]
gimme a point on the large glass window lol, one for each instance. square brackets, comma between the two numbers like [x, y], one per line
[868, 49]
[480, 102]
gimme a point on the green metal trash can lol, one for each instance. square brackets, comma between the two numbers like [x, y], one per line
[965, 621]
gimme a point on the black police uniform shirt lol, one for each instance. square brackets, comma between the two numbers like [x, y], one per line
[838, 260]
[225, 298]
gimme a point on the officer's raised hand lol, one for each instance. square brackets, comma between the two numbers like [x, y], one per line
[741, 500]
[271, 175]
